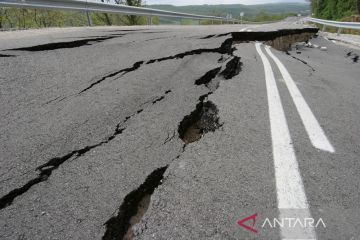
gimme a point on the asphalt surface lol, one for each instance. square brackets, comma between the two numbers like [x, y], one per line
[84, 124]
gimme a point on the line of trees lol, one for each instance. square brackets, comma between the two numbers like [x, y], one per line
[35, 18]
[336, 9]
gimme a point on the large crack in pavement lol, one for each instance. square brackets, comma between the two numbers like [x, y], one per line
[45, 170]
[133, 207]
[206, 79]
[233, 68]
[6, 55]
[280, 39]
[225, 48]
[205, 118]
[63, 45]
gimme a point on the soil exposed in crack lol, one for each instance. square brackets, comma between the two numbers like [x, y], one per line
[133, 207]
[280, 39]
[202, 120]
[62, 45]
[47, 168]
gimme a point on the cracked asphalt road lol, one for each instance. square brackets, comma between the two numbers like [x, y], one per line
[84, 124]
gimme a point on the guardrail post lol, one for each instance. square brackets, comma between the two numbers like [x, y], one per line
[149, 20]
[89, 19]
[339, 31]
[324, 28]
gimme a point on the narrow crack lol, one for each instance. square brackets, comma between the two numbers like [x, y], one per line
[45, 170]
[208, 36]
[133, 207]
[113, 74]
[300, 60]
[225, 48]
[170, 137]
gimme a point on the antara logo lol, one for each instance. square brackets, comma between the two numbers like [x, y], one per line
[250, 228]
[249, 223]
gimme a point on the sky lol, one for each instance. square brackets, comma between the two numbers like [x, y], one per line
[210, 2]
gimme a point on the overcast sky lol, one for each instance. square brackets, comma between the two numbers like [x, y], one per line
[200, 2]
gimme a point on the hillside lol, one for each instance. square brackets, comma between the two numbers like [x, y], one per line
[235, 9]
[336, 9]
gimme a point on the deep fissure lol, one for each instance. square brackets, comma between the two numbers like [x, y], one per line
[281, 39]
[202, 120]
[233, 68]
[6, 55]
[133, 207]
[62, 45]
[210, 75]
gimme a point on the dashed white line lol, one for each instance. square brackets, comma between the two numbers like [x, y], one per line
[312, 126]
[289, 185]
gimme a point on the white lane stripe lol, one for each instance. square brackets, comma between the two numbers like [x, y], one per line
[244, 29]
[312, 126]
[289, 185]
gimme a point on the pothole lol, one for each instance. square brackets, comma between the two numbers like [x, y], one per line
[202, 120]
[133, 208]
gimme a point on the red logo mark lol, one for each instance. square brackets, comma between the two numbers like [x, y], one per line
[253, 218]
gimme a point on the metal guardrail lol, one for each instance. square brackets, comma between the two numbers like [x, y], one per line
[340, 25]
[89, 6]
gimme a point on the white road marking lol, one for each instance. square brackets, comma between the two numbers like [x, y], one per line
[289, 185]
[312, 126]
[244, 29]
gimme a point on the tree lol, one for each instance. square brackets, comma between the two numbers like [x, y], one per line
[335, 9]
[131, 19]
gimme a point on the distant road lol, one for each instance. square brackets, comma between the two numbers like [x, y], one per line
[191, 129]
